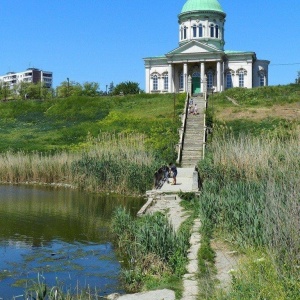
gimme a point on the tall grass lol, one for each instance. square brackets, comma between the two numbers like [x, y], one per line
[251, 195]
[119, 163]
[153, 248]
[110, 162]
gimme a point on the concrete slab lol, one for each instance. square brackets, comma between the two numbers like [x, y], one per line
[185, 182]
[152, 295]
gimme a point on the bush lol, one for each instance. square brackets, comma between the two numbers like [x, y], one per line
[152, 246]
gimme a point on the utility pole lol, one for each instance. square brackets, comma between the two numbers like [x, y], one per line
[68, 86]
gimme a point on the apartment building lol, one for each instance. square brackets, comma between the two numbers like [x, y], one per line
[31, 75]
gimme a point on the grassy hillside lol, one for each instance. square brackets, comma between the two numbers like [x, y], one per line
[65, 123]
[257, 110]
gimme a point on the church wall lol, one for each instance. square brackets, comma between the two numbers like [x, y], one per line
[260, 68]
[236, 67]
[159, 71]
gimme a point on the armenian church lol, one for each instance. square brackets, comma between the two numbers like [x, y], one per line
[200, 62]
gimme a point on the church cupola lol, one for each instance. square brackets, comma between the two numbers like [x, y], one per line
[202, 20]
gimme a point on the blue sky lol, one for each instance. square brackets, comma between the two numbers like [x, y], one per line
[106, 40]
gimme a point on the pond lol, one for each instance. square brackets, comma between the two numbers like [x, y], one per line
[61, 235]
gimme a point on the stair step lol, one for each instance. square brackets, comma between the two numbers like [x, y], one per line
[192, 151]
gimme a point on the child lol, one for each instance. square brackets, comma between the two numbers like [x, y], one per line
[173, 170]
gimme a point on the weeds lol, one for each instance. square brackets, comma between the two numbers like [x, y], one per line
[251, 196]
[39, 290]
[153, 249]
[111, 162]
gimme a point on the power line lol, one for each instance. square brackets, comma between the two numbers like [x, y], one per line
[288, 64]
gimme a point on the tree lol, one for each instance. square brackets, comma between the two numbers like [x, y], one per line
[111, 88]
[69, 88]
[5, 91]
[127, 87]
[90, 89]
[298, 78]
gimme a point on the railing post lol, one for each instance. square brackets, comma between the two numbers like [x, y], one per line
[182, 130]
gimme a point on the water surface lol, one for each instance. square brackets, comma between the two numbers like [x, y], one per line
[61, 234]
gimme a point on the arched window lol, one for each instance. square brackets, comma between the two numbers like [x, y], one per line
[217, 31]
[200, 30]
[154, 82]
[210, 79]
[262, 78]
[241, 73]
[196, 74]
[194, 31]
[181, 81]
[241, 79]
[212, 30]
[229, 80]
[184, 32]
[166, 81]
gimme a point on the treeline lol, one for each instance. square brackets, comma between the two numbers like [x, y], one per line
[28, 90]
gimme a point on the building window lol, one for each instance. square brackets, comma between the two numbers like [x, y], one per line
[166, 81]
[241, 79]
[212, 30]
[262, 81]
[228, 80]
[155, 83]
[210, 79]
[184, 32]
[181, 81]
[217, 31]
[194, 31]
[200, 30]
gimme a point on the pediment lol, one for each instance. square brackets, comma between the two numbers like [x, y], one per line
[193, 47]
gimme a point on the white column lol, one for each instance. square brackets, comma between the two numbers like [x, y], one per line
[185, 75]
[218, 76]
[147, 69]
[170, 79]
[202, 70]
[250, 72]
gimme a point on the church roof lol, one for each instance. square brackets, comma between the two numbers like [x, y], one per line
[206, 5]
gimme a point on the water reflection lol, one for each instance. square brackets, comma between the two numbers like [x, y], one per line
[60, 233]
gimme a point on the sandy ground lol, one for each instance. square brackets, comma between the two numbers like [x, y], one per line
[289, 111]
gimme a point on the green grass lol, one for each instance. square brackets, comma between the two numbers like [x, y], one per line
[250, 195]
[258, 97]
[157, 256]
[61, 124]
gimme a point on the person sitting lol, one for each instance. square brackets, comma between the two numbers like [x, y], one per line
[191, 109]
[195, 110]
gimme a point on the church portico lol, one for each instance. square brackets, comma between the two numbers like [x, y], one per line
[200, 63]
[174, 77]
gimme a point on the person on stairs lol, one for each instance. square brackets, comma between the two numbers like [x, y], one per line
[195, 110]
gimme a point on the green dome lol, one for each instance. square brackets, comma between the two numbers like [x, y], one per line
[207, 5]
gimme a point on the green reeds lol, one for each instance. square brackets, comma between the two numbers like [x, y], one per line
[111, 162]
[39, 290]
[251, 196]
[153, 248]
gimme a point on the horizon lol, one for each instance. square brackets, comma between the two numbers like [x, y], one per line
[106, 42]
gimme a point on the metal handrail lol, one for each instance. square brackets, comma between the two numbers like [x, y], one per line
[204, 128]
[182, 129]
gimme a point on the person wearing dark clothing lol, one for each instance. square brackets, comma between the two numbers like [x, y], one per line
[173, 170]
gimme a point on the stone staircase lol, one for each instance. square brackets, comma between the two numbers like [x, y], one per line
[192, 150]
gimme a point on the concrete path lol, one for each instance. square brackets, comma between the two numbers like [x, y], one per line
[187, 181]
[170, 206]
[190, 282]
[152, 295]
